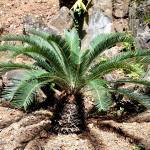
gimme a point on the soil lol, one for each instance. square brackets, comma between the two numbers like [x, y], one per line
[30, 131]
[22, 131]
[12, 12]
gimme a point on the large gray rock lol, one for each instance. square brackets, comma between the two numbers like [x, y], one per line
[62, 21]
[34, 22]
[100, 20]
[10, 76]
[139, 12]
[56, 25]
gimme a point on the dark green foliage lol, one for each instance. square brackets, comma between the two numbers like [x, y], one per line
[61, 61]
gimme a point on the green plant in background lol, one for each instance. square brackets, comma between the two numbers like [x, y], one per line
[61, 62]
[79, 6]
[137, 73]
[139, 147]
[147, 19]
[80, 12]
[138, 1]
[128, 46]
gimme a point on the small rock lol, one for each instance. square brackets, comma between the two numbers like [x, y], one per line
[62, 21]
[91, 125]
[120, 9]
[43, 134]
[33, 145]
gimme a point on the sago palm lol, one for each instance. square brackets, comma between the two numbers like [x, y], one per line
[60, 61]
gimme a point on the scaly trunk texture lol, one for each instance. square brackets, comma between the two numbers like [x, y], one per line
[69, 116]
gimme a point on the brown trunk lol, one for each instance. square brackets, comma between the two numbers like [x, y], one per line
[69, 116]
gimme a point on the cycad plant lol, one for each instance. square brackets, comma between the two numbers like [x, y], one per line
[60, 61]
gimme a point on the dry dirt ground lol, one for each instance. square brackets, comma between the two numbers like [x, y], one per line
[12, 12]
[21, 131]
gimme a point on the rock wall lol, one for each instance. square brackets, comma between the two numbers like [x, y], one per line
[139, 22]
[106, 16]
[120, 12]
[119, 16]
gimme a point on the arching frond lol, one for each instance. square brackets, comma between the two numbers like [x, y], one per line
[21, 91]
[143, 60]
[73, 41]
[103, 42]
[131, 54]
[143, 82]
[10, 47]
[27, 76]
[117, 62]
[107, 68]
[101, 94]
[40, 61]
[60, 41]
[40, 45]
[32, 40]
[46, 54]
[143, 99]
[25, 94]
[8, 66]
[39, 33]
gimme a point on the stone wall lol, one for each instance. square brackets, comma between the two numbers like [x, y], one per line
[119, 16]
[120, 12]
[139, 22]
[106, 16]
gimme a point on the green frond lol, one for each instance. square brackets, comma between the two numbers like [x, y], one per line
[126, 56]
[60, 41]
[17, 92]
[106, 41]
[39, 33]
[48, 55]
[40, 44]
[32, 40]
[84, 61]
[143, 82]
[40, 61]
[8, 66]
[138, 55]
[144, 60]
[101, 94]
[72, 40]
[10, 48]
[22, 38]
[24, 96]
[27, 76]
[21, 92]
[143, 99]
[117, 62]
[74, 59]
[107, 68]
